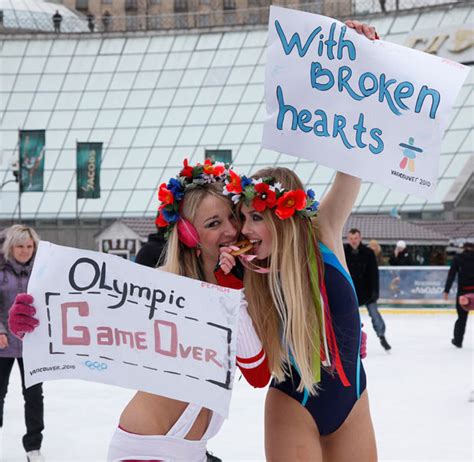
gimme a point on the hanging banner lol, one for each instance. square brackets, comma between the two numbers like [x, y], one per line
[32, 151]
[106, 319]
[88, 170]
[369, 108]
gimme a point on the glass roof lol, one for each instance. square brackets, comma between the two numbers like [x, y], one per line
[34, 15]
[154, 100]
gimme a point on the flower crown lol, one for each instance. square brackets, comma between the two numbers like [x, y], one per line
[170, 195]
[265, 193]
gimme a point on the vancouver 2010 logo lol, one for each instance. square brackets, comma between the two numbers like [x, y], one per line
[409, 153]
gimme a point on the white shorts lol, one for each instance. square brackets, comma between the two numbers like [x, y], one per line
[171, 447]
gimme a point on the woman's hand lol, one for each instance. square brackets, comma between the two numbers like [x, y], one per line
[20, 316]
[226, 260]
[3, 341]
[363, 28]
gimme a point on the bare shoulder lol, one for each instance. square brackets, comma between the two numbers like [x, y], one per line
[334, 243]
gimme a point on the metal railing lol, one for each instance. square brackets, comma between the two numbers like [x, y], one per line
[23, 21]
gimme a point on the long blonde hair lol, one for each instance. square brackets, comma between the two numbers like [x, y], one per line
[286, 322]
[180, 259]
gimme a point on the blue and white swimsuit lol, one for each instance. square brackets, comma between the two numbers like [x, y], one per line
[334, 401]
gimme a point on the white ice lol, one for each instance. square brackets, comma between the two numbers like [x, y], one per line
[419, 396]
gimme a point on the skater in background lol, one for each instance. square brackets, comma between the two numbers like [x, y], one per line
[19, 249]
[400, 256]
[362, 265]
[375, 246]
[462, 267]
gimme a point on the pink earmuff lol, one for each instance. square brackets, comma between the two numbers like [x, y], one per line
[187, 233]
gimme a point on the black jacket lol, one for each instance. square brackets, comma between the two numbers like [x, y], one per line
[362, 265]
[463, 266]
[152, 253]
[402, 259]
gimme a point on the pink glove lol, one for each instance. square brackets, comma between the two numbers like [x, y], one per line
[20, 317]
[467, 301]
[363, 346]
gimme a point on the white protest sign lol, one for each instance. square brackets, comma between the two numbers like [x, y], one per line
[371, 109]
[106, 319]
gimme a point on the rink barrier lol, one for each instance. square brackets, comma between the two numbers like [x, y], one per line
[414, 290]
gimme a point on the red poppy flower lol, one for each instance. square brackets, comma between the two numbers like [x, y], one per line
[265, 197]
[218, 170]
[208, 167]
[160, 220]
[187, 171]
[234, 185]
[165, 195]
[289, 203]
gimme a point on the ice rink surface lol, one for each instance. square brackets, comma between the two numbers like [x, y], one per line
[419, 395]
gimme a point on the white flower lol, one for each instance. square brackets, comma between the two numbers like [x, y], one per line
[208, 178]
[236, 198]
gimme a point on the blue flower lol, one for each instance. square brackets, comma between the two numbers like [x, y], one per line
[244, 181]
[176, 189]
[309, 192]
[314, 206]
[171, 216]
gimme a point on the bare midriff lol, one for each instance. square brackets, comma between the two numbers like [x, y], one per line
[148, 414]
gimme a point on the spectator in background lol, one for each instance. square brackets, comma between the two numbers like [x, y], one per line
[462, 266]
[57, 19]
[90, 22]
[19, 248]
[400, 256]
[2, 240]
[362, 265]
[106, 20]
[375, 247]
[152, 253]
[438, 258]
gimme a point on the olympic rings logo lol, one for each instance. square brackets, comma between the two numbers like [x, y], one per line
[95, 365]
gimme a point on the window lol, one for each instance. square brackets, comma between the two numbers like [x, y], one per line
[219, 155]
[131, 5]
[229, 4]
[203, 20]
[82, 5]
[180, 6]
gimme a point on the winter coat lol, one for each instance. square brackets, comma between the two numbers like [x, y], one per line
[152, 253]
[362, 265]
[13, 280]
[463, 266]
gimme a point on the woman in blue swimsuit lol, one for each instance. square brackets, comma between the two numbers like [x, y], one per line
[304, 307]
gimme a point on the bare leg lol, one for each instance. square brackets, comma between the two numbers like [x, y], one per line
[354, 441]
[290, 431]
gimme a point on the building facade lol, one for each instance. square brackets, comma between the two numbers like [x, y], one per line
[154, 97]
[186, 14]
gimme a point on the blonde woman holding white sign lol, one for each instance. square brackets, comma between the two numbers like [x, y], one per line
[304, 307]
[198, 220]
